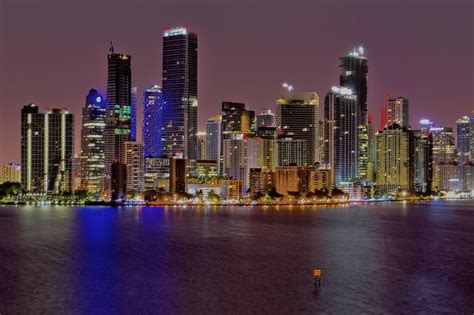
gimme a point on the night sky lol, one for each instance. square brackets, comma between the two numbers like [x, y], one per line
[53, 51]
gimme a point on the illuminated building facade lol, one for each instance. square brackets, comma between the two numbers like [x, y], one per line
[394, 159]
[118, 125]
[261, 180]
[133, 114]
[11, 173]
[134, 159]
[291, 151]
[265, 118]
[213, 138]
[423, 161]
[157, 173]
[240, 155]
[397, 112]
[231, 189]
[463, 139]
[236, 119]
[180, 91]
[92, 165]
[153, 120]
[444, 150]
[319, 179]
[207, 168]
[47, 142]
[292, 178]
[201, 145]
[298, 118]
[341, 135]
[354, 76]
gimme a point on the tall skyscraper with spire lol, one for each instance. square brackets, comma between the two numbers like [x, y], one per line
[180, 92]
[354, 76]
[119, 106]
[118, 124]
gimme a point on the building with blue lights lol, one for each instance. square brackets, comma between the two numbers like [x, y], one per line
[180, 92]
[153, 121]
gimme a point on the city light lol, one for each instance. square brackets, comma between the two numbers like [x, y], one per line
[175, 31]
[287, 86]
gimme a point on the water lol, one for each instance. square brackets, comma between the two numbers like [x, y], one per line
[390, 258]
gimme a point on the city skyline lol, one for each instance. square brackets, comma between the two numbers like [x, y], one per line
[256, 91]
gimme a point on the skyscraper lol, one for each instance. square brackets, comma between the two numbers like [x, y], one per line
[298, 117]
[201, 141]
[46, 150]
[180, 92]
[265, 118]
[213, 138]
[444, 151]
[152, 121]
[423, 161]
[135, 161]
[291, 151]
[93, 143]
[133, 114]
[397, 112]
[341, 135]
[118, 128]
[463, 139]
[240, 155]
[354, 76]
[235, 119]
[11, 173]
[394, 159]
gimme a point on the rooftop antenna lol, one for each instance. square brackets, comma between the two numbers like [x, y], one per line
[112, 50]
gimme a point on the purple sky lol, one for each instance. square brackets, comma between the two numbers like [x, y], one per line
[53, 51]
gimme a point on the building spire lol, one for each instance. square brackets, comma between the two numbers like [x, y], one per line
[112, 50]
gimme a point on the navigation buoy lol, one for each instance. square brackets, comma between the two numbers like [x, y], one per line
[317, 277]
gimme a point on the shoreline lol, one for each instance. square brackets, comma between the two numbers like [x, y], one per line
[240, 204]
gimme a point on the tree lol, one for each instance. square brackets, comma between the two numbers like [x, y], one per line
[272, 193]
[9, 190]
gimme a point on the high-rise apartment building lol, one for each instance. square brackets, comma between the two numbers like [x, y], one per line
[213, 138]
[236, 119]
[341, 135]
[265, 118]
[11, 173]
[180, 92]
[153, 121]
[47, 142]
[133, 114]
[134, 159]
[298, 117]
[397, 112]
[157, 174]
[423, 161]
[201, 145]
[463, 139]
[291, 151]
[354, 76]
[118, 123]
[395, 159]
[92, 158]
